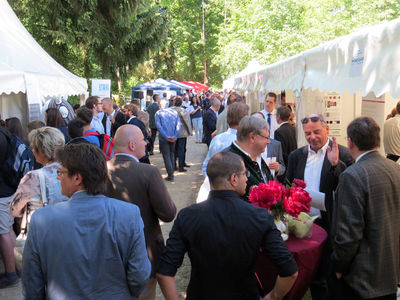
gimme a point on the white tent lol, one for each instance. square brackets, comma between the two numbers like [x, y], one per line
[353, 75]
[27, 73]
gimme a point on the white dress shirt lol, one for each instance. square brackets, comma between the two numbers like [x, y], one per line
[312, 172]
[274, 123]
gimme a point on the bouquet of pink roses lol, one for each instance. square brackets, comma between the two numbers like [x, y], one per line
[279, 199]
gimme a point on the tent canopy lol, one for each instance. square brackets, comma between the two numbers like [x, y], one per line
[364, 61]
[197, 86]
[158, 84]
[25, 67]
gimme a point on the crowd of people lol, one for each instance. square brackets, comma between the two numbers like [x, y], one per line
[88, 203]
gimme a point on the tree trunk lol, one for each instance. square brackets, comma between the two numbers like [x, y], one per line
[119, 81]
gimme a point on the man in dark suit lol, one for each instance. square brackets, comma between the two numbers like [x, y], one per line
[367, 225]
[286, 133]
[140, 184]
[131, 116]
[319, 164]
[112, 118]
[151, 110]
[210, 120]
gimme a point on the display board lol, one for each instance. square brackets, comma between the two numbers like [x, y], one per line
[101, 88]
[333, 112]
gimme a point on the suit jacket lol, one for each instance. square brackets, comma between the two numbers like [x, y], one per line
[186, 128]
[222, 123]
[142, 127]
[142, 184]
[286, 134]
[90, 247]
[329, 176]
[152, 109]
[367, 226]
[209, 123]
[274, 149]
[119, 121]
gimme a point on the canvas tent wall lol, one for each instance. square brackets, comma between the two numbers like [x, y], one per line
[27, 73]
[354, 75]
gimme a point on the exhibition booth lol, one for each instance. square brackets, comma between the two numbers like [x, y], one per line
[353, 75]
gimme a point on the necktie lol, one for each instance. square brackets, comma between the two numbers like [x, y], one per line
[269, 120]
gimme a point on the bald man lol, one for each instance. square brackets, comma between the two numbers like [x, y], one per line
[140, 184]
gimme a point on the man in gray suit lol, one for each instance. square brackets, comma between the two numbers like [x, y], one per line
[140, 184]
[367, 220]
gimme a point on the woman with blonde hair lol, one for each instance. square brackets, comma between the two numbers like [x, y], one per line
[39, 187]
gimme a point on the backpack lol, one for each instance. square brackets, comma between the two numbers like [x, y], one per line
[106, 143]
[20, 159]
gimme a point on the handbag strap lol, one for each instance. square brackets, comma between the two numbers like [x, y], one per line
[43, 195]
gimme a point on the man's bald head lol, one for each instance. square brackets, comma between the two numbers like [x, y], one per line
[129, 139]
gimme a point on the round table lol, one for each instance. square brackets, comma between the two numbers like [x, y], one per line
[306, 252]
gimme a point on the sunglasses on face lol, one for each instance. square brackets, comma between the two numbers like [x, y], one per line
[312, 119]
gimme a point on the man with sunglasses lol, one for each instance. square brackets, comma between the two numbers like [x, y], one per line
[319, 164]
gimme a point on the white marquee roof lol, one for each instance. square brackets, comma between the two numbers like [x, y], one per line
[24, 65]
[365, 61]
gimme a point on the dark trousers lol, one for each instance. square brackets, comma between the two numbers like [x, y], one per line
[168, 153]
[152, 139]
[393, 157]
[180, 151]
[340, 290]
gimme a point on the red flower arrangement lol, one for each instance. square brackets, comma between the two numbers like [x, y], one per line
[279, 199]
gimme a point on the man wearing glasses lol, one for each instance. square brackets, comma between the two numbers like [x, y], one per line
[252, 139]
[319, 164]
[94, 103]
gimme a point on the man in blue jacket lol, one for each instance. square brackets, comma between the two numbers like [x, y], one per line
[90, 247]
[168, 126]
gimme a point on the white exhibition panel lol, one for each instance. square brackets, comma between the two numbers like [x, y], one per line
[14, 105]
[365, 61]
[23, 60]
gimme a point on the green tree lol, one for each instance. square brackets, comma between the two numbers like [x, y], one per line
[95, 38]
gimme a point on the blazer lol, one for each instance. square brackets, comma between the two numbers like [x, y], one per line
[119, 121]
[367, 226]
[142, 184]
[274, 149]
[286, 134]
[209, 123]
[329, 176]
[222, 123]
[142, 127]
[152, 109]
[90, 247]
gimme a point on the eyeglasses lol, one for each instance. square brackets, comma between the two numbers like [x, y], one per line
[60, 172]
[247, 173]
[99, 103]
[265, 137]
[312, 119]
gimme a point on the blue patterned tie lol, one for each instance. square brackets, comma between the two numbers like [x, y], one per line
[269, 120]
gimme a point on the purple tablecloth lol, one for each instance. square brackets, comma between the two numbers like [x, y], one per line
[306, 252]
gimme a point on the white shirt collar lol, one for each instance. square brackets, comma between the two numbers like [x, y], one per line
[323, 149]
[361, 155]
[130, 119]
[282, 123]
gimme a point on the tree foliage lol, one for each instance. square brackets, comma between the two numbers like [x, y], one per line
[95, 38]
